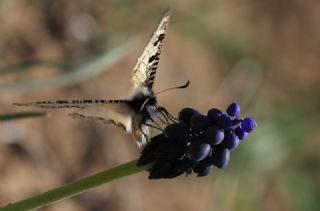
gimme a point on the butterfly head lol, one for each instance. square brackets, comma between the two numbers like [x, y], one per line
[148, 97]
[143, 97]
[142, 93]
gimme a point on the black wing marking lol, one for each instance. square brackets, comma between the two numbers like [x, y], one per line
[144, 72]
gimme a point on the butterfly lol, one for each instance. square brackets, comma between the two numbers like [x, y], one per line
[132, 114]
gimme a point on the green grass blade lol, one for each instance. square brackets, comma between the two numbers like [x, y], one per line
[21, 115]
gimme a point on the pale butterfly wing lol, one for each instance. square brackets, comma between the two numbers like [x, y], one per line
[144, 72]
[119, 114]
[116, 112]
[107, 111]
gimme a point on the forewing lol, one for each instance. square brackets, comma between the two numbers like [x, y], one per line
[144, 72]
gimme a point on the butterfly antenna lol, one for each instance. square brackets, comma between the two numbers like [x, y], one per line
[177, 87]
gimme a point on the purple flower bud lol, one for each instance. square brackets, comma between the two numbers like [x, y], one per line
[198, 151]
[248, 124]
[204, 167]
[233, 109]
[221, 157]
[199, 123]
[231, 141]
[214, 135]
[204, 170]
[242, 135]
[225, 122]
[214, 115]
[186, 114]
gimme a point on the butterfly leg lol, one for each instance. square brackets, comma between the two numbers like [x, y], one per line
[152, 126]
[165, 113]
[141, 133]
[144, 134]
[149, 118]
[165, 121]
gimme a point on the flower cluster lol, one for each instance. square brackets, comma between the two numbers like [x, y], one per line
[196, 142]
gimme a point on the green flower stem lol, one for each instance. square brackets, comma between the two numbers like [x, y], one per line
[76, 187]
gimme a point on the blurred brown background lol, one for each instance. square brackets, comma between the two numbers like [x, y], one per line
[263, 54]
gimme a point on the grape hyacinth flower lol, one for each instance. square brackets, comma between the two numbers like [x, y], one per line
[196, 142]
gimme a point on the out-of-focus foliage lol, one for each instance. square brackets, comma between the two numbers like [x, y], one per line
[262, 54]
